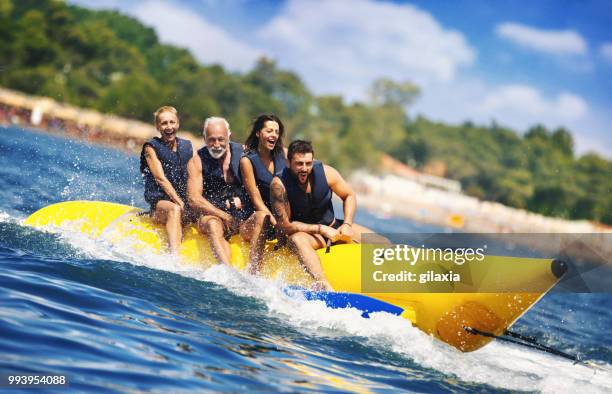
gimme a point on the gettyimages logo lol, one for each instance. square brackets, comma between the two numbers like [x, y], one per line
[485, 263]
[411, 255]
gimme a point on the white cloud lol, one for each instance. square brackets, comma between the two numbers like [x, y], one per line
[559, 42]
[515, 105]
[341, 47]
[518, 107]
[185, 28]
[522, 101]
[605, 50]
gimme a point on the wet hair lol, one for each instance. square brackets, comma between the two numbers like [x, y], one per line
[252, 141]
[165, 108]
[299, 146]
[214, 119]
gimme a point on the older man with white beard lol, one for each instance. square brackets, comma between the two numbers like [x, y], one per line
[217, 195]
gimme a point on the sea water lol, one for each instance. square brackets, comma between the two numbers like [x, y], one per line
[114, 322]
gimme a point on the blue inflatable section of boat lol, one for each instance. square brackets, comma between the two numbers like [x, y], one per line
[337, 300]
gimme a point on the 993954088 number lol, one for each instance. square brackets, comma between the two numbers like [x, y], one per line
[32, 380]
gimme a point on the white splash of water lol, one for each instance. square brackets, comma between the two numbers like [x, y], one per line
[5, 217]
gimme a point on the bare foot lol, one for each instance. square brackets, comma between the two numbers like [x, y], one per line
[253, 269]
[321, 285]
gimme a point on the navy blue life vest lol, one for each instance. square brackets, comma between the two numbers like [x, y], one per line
[174, 165]
[216, 190]
[313, 208]
[263, 177]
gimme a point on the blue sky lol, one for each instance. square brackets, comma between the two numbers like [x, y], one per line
[517, 62]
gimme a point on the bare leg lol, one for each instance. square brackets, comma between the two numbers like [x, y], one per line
[253, 230]
[304, 246]
[212, 227]
[168, 213]
[359, 230]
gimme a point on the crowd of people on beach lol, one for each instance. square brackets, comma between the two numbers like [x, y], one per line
[259, 190]
[76, 123]
[22, 117]
[10, 116]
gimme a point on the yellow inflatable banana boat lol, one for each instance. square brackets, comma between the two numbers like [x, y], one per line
[453, 316]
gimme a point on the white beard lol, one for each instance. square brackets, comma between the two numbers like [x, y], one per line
[218, 154]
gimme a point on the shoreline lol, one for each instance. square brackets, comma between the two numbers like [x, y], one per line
[390, 195]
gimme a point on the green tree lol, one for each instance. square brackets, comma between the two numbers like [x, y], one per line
[386, 92]
[283, 86]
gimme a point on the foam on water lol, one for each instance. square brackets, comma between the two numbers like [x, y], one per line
[497, 364]
[5, 217]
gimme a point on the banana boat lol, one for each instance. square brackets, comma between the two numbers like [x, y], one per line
[454, 316]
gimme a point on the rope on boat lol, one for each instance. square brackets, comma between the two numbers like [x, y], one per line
[532, 343]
